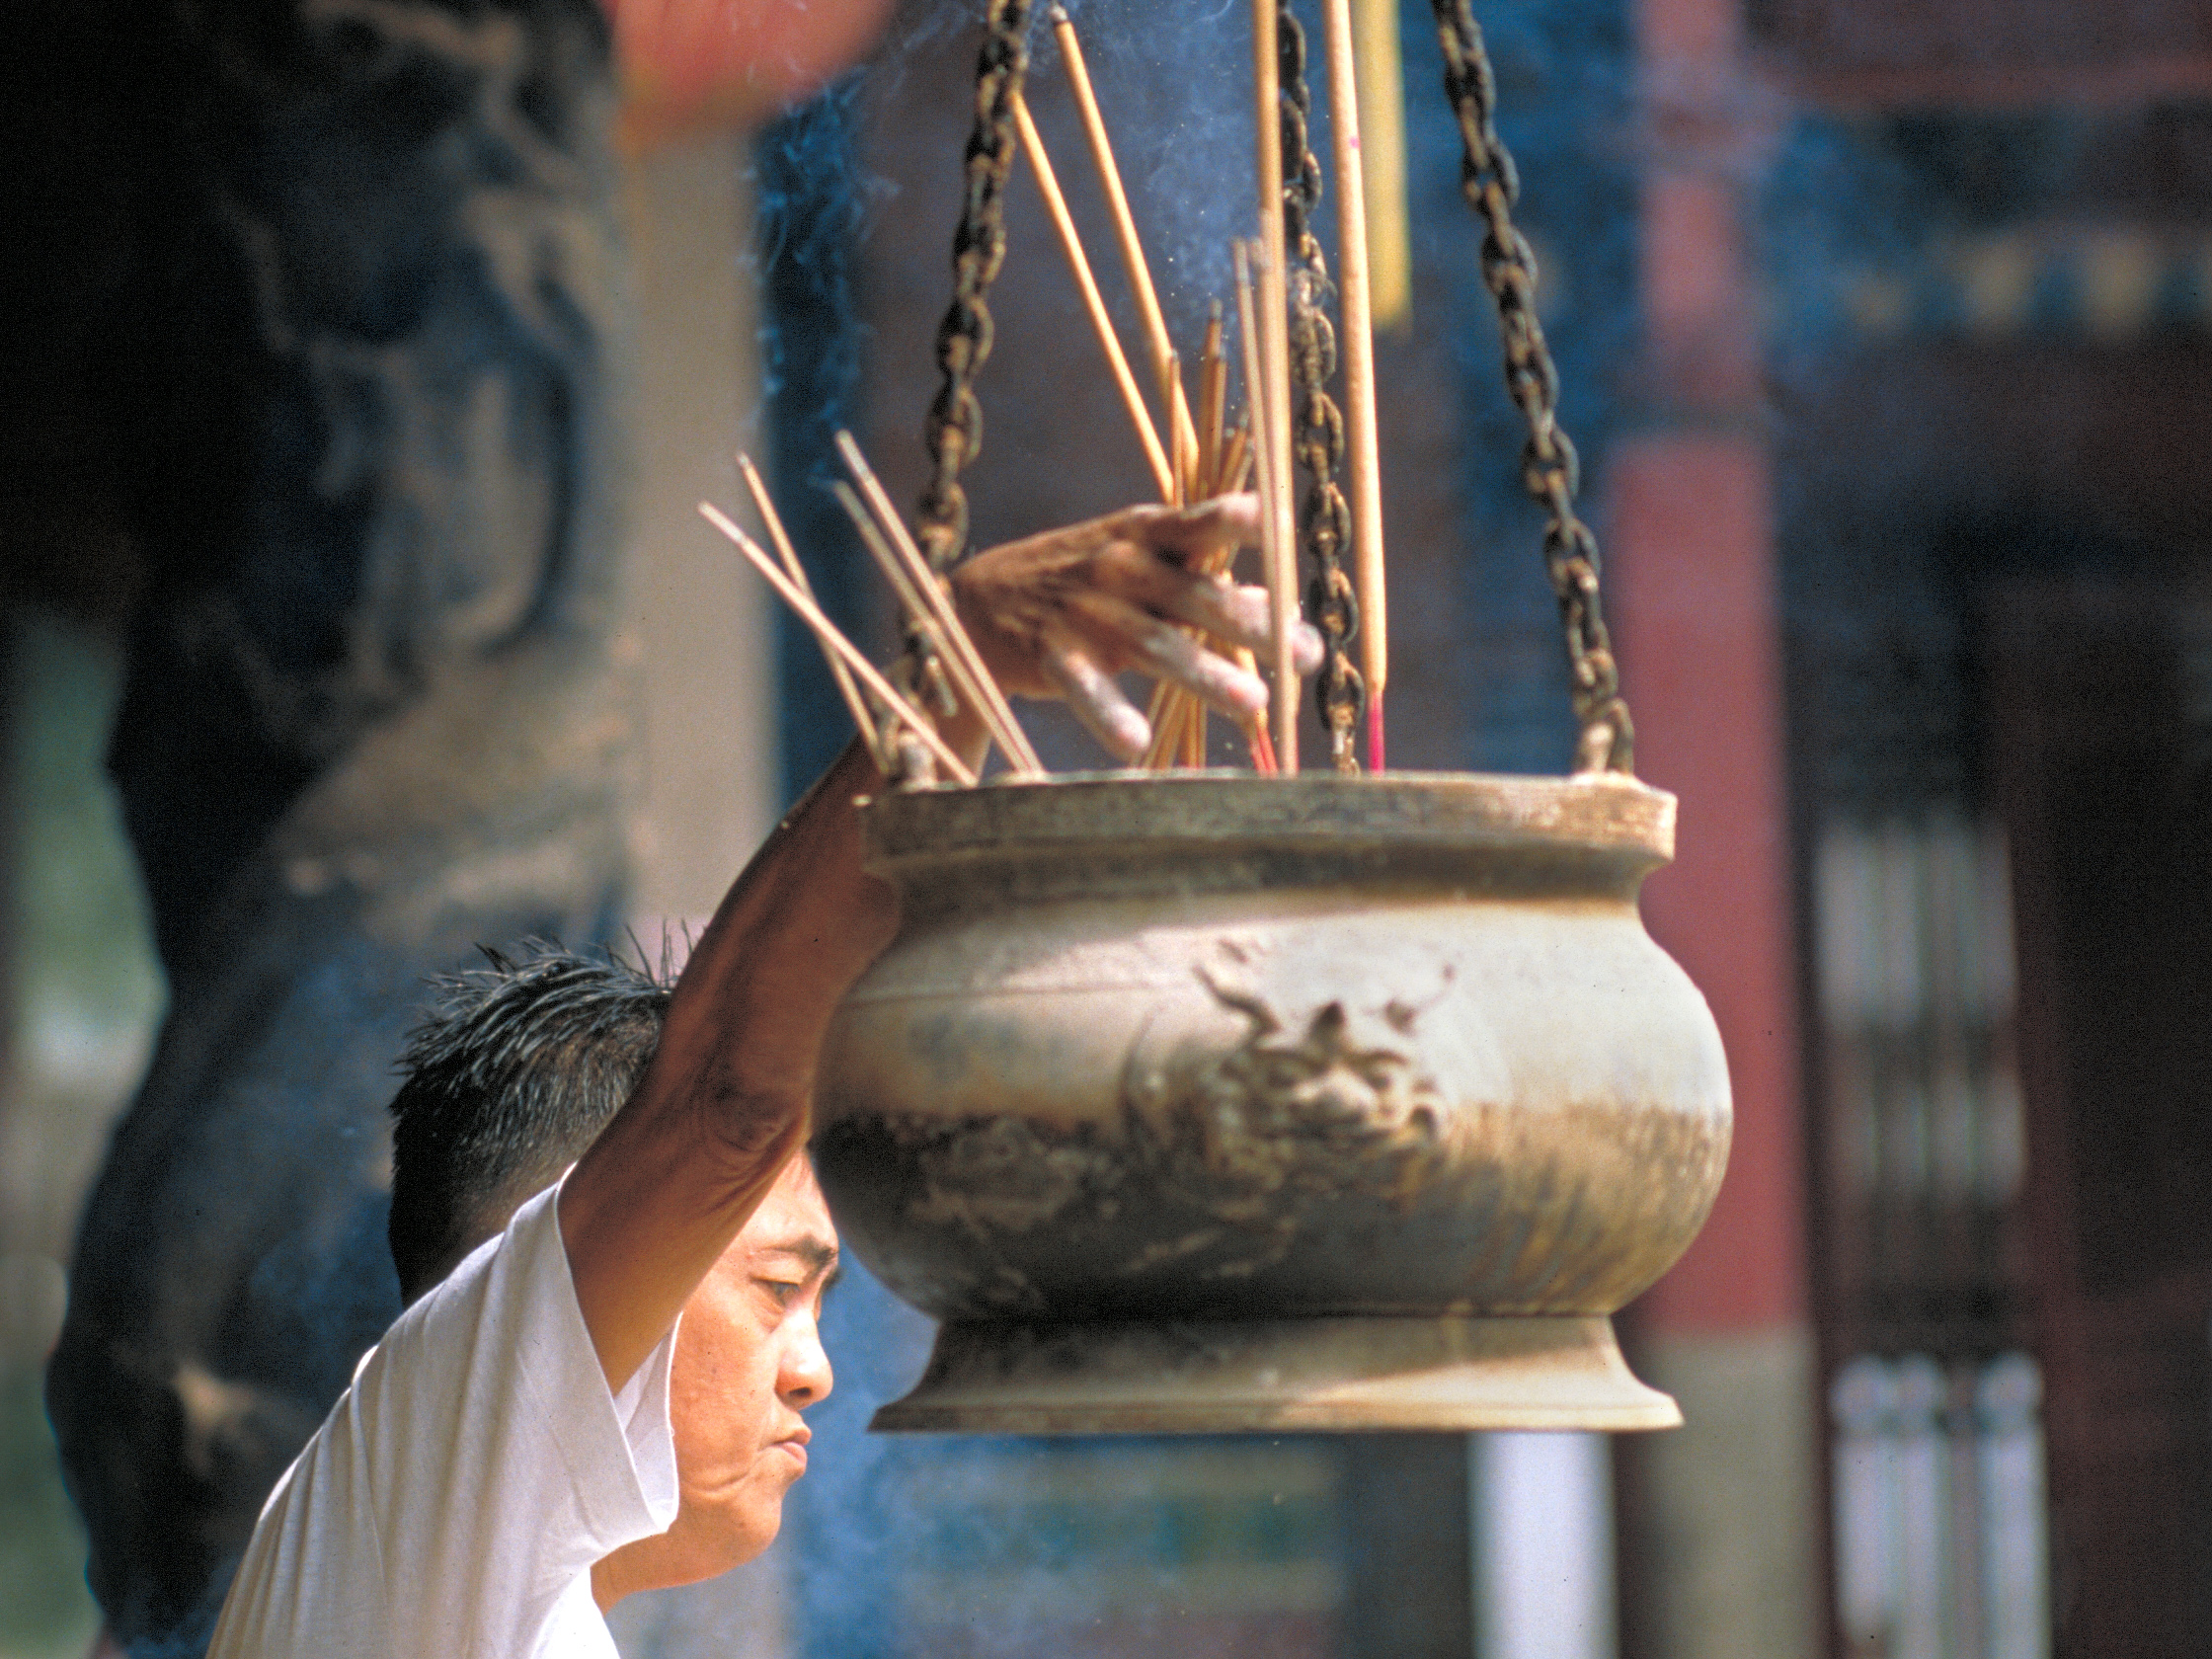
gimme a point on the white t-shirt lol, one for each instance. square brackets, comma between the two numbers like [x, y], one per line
[453, 1502]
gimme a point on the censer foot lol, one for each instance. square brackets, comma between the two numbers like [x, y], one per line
[1288, 1376]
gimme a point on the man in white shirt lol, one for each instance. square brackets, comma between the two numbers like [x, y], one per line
[532, 1440]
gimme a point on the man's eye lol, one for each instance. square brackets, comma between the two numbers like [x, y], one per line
[784, 1289]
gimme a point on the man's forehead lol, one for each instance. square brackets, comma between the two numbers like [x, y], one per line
[793, 1220]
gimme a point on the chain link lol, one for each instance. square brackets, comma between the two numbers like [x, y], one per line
[1318, 425]
[1550, 471]
[954, 436]
[954, 432]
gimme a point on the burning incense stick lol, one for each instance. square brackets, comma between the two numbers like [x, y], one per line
[834, 644]
[863, 715]
[1179, 415]
[964, 657]
[1056, 207]
[1362, 464]
[1279, 556]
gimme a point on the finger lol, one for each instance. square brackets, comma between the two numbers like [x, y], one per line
[1236, 614]
[1204, 598]
[1184, 531]
[1144, 577]
[1095, 700]
[1168, 652]
[1241, 616]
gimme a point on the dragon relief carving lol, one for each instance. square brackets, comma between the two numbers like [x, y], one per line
[1259, 1136]
[1237, 1148]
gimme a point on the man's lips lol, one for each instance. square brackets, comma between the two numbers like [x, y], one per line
[795, 1445]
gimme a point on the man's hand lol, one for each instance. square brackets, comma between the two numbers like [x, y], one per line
[1059, 614]
[723, 1105]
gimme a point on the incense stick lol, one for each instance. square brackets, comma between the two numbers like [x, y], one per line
[1381, 83]
[1361, 462]
[964, 657]
[910, 603]
[919, 617]
[1237, 461]
[835, 644]
[1178, 718]
[1282, 483]
[863, 715]
[1125, 223]
[1185, 436]
[1175, 709]
[1270, 393]
[1278, 561]
[1157, 715]
[991, 702]
[1255, 729]
[1102, 324]
[1213, 404]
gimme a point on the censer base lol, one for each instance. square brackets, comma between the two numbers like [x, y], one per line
[1288, 1376]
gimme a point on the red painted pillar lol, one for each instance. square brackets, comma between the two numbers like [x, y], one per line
[1720, 1534]
[1691, 563]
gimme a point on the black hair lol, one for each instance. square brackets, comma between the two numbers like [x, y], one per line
[509, 1077]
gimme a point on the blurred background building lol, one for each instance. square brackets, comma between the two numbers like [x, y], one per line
[1886, 333]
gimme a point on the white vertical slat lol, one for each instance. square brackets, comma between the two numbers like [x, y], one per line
[1542, 1531]
[1922, 1512]
[2015, 1544]
[1863, 1404]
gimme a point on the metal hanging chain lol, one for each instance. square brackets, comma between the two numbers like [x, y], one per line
[954, 432]
[1550, 471]
[1318, 425]
[954, 435]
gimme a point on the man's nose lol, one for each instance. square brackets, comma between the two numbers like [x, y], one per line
[804, 1378]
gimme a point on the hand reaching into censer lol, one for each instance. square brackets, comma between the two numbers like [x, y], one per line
[1060, 613]
[1057, 614]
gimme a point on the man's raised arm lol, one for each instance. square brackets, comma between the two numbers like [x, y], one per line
[723, 1106]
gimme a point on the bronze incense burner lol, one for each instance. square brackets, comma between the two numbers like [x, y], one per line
[1219, 1102]
[1202, 1101]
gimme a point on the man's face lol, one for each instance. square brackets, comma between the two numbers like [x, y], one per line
[748, 1361]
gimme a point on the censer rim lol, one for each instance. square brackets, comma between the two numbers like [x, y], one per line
[1609, 815]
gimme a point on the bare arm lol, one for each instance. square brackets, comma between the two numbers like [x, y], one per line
[723, 1105]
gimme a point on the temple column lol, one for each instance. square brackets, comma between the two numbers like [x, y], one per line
[1720, 1520]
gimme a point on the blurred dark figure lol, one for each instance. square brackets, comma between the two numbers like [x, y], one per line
[312, 398]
